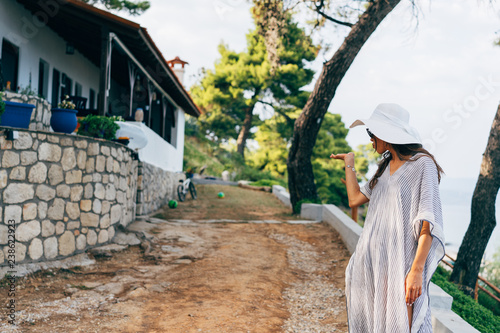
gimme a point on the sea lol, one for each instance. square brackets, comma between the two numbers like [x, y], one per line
[456, 198]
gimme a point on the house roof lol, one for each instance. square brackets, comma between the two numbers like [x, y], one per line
[83, 25]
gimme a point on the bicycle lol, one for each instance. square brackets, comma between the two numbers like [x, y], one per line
[185, 186]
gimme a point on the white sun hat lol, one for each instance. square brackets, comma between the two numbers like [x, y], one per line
[390, 123]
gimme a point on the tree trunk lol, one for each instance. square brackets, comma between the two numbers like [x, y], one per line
[483, 220]
[300, 172]
[245, 130]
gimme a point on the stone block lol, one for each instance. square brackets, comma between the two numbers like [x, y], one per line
[103, 236]
[68, 160]
[89, 220]
[25, 141]
[18, 193]
[114, 152]
[55, 174]
[4, 234]
[100, 163]
[119, 155]
[96, 177]
[116, 214]
[45, 193]
[3, 178]
[74, 177]
[67, 243]
[109, 164]
[56, 211]
[105, 179]
[27, 231]
[105, 221]
[28, 157]
[105, 207]
[10, 159]
[67, 142]
[82, 144]
[87, 179]
[96, 206]
[42, 136]
[110, 192]
[73, 225]
[76, 193]
[81, 242]
[89, 191]
[48, 228]
[38, 173]
[35, 249]
[105, 151]
[18, 173]
[29, 211]
[81, 159]
[63, 191]
[90, 165]
[111, 233]
[120, 197]
[20, 252]
[86, 205]
[93, 149]
[60, 227]
[49, 152]
[6, 144]
[53, 139]
[73, 210]
[42, 210]
[91, 237]
[12, 213]
[99, 191]
[50, 248]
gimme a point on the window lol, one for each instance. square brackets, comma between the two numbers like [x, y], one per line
[10, 65]
[78, 89]
[56, 83]
[92, 99]
[43, 78]
[66, 85]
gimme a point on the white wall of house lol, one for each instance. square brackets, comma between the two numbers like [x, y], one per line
[35, 41]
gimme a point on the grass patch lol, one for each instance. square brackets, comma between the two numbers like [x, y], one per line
[475, 314]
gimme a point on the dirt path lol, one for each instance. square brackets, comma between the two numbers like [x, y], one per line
[200, 277]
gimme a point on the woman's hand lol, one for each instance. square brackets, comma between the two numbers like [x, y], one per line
[413, 286]
[348, 158]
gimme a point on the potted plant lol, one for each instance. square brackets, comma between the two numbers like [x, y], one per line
[63, 117]
[15, 114]
[98, 127]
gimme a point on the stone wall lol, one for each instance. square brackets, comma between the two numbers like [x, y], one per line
[40, 117]
[66, 193]
[155, 187]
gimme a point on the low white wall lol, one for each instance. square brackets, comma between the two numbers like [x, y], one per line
[443, 319]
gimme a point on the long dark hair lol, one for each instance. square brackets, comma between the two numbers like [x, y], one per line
[402, 151]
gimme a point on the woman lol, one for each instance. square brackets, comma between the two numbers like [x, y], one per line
[388, 275]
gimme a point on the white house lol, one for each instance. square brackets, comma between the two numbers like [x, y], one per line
[66, 47]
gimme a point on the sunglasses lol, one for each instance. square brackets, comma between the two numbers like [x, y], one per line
[370, 134]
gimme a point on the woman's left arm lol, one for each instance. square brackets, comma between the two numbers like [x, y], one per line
[414, 280]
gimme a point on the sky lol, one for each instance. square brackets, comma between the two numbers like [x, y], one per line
[445, 70]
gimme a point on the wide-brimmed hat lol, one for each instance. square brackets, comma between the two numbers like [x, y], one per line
[390, 123]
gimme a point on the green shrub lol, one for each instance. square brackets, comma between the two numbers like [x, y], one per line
[98, 127]
[2, 105]
[475, 314]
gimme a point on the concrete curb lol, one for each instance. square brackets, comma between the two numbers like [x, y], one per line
[443, 319]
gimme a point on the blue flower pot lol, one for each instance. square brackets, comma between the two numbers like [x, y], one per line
[63, 120]
[17, 115]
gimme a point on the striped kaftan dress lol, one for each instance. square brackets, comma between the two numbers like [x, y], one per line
[375, 275]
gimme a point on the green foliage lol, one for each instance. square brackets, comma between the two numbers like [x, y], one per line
[2, 105]
[133, 7]
[241, 80]
[475, 314]
[98, 127]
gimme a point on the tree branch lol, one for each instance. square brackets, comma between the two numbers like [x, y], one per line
[318, 10]
[288, 119]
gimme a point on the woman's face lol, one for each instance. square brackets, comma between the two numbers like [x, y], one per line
[379, 145]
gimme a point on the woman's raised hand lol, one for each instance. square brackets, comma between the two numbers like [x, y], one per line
[348, 158]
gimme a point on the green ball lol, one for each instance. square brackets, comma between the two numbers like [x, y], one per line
[172, 204]
[221, 195]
